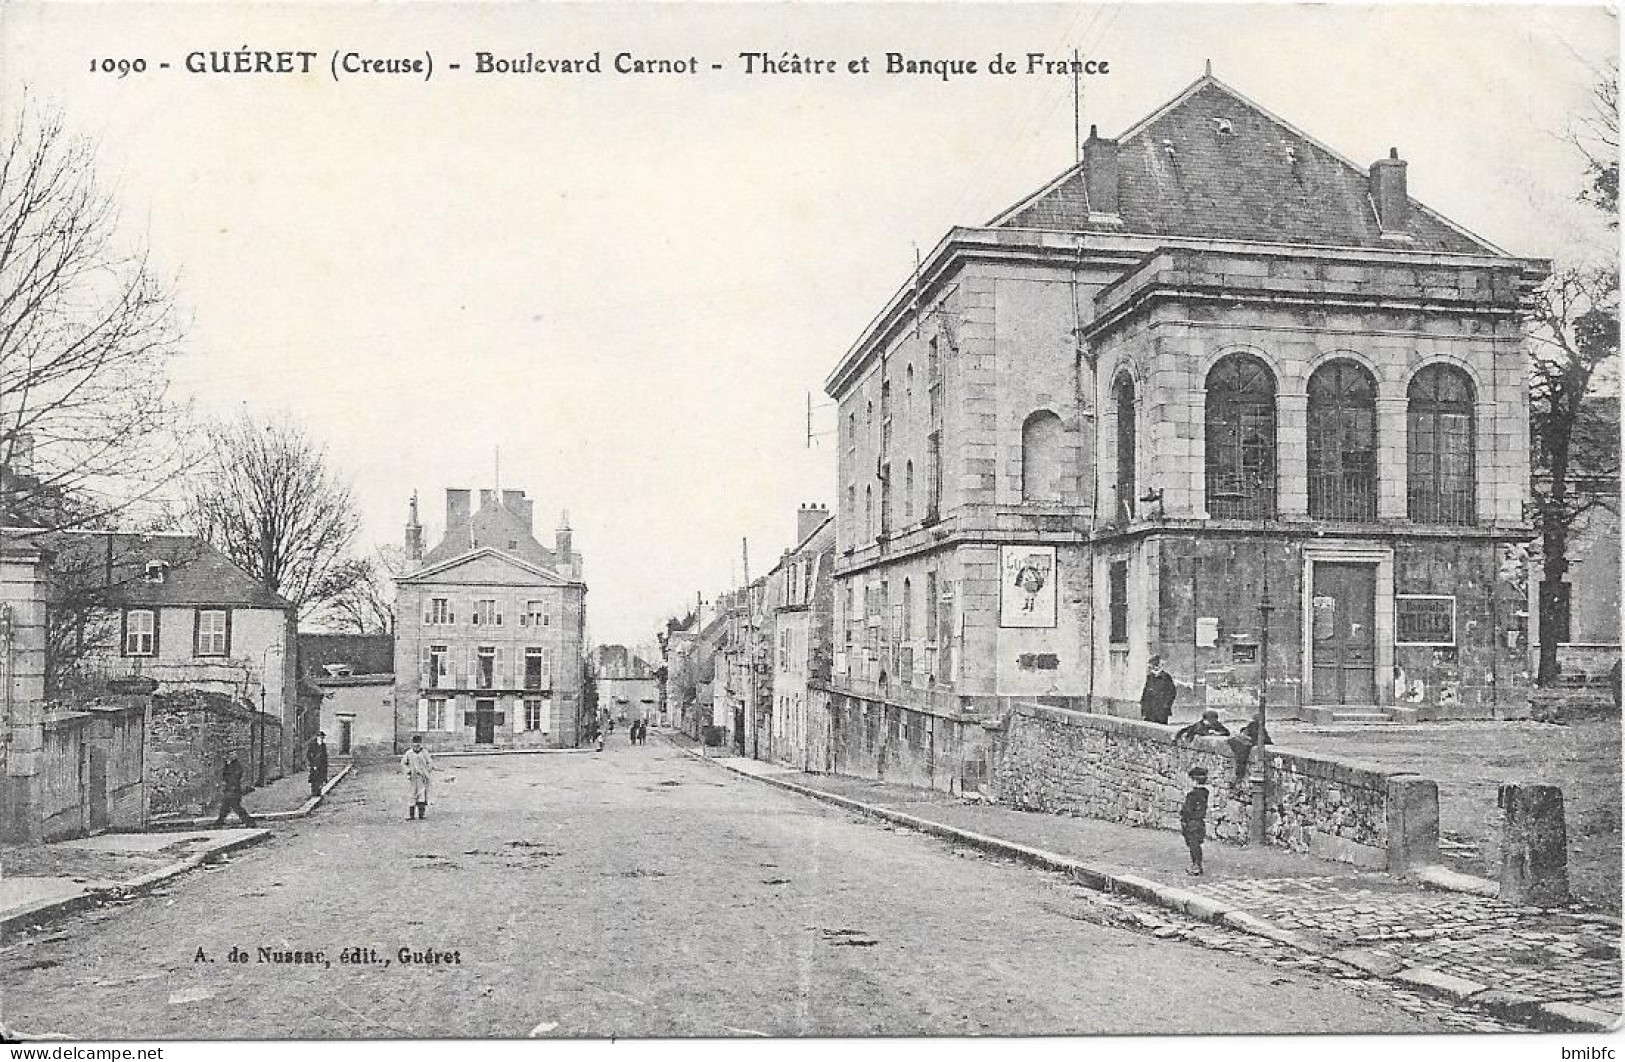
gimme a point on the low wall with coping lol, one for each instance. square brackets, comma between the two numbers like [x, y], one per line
[1130, 771]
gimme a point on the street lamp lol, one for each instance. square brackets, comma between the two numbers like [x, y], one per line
[1257, 776]
[265, 667]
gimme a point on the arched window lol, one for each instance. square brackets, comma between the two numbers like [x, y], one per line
[1241, 439]
[1342, 442]
[1440, 483]
[1041, 462]
[1123, 400]
[908, 493]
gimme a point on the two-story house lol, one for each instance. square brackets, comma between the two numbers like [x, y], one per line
[1213, 353]
[489, 629]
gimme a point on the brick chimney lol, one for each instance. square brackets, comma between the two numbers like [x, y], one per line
[561, 544]
[414, 534]
[809, 518]
[1388, 196]
[516, 503]
[458, 532]
[1100, 176]
[488, 500]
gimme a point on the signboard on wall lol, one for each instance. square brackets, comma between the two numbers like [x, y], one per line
[1027, 577]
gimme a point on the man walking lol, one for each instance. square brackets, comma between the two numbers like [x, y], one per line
[418, 767]
[1157, 699]
[231, 797]
[316, 761]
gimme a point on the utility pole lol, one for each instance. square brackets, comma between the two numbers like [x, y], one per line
[749, 713]
[1077, 108]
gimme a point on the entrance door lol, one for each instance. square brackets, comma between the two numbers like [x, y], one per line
[1343, 635]
[98, 790]
[346, 727]
[485, 722]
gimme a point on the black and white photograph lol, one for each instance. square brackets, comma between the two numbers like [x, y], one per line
[641, 524]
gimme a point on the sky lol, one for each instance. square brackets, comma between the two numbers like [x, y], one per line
[632, 286]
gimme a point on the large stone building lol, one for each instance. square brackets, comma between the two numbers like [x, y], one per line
[489, 629]
[1214, 353]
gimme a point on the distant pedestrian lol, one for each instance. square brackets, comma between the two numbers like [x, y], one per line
[316, 761]
[231, 796]
[1157, 699]
[600, 737]
[1193, 818]
[418, 766]
[1207, 726]
[1241, 746]
[642, 726]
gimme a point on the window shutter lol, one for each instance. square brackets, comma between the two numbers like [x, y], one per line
[423, 671]
[499, 673]
[124, 633]
[157, 616]
[228, 631]
[197, 630]
[423, 713]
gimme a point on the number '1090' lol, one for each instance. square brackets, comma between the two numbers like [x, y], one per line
[121, 67]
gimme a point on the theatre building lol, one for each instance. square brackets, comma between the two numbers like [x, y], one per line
[1212, 362]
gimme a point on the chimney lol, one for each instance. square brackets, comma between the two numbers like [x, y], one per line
[809, 518]
[21, 460]
[459, 535]
[561, 543]
[516, 503]
[1100, 176]
[414, 534]
[1388, 196]
[488, 499]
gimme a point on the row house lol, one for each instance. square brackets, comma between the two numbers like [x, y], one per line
[1214, 362]
[798, 609]
[489, 629]
[628, 688]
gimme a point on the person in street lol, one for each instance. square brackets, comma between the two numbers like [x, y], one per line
[316, 761]
[632, 733]
[1207, 726]
[600, 741]
[231, 797]
[1193, 818]
[1157, 699]
[1241, 746]
[418, 766]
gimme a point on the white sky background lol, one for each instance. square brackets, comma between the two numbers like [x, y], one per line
[630, 284]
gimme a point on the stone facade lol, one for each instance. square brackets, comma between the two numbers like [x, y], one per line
[800, 600]
[628, 688]
[1024, 506]
[191, 734]
[358, 714]
[489, 630]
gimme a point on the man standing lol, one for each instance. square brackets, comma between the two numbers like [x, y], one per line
[231, 797]
[1157, 699]
[316, 760]
[418, 767]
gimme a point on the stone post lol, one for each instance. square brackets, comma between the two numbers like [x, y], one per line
[1413, 822]
[1534, 846]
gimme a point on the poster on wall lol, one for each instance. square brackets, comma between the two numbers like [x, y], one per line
[1027, 586]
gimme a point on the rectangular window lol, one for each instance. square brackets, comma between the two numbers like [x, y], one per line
[486, 614]
[533, 713]
[485, 671]
[931, 607]
[535, 615]
[211, 632]
[1118, 601]
[439, 611]
[140, 632]
[1424, 619]
[437, 665]
[535, 668]
[436, 719]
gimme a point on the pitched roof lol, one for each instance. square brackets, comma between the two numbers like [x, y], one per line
[195, 572]
[1262, 180]
[493, 525]
[366, 654]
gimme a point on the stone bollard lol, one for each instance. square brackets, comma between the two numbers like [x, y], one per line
[1534, 845]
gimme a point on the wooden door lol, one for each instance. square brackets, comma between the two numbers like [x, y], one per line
[485, 722]
[1343, 637]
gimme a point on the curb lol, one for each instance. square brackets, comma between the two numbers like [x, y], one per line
[474, 753]
[53, 909]
[1546, 1017]
[303, 810]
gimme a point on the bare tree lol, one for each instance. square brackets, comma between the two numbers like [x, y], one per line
[1575, 340]
[360, 595]
[268, 501]
[86, 332]
[1596, 135]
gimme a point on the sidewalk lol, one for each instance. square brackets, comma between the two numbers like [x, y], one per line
[1556, 970]
[286, 798]
[44, 881]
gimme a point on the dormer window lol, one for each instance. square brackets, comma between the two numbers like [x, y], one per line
[156, 570]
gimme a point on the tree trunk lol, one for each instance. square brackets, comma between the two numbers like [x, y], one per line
[1554, 540]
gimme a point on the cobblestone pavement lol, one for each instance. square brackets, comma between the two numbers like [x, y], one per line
[640, 892]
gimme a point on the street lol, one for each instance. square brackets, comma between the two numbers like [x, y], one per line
[634, 893]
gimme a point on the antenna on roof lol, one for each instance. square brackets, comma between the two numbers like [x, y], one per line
[1208, 68]
[1077, 109]
[496, 475]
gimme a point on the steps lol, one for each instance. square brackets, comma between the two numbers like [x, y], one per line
[1322, 715]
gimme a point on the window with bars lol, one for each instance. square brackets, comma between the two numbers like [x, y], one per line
[1117, 602]
[1240, 439]
[1342, 442]
[1440, 482]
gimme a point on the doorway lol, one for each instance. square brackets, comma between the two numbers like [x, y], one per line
[346, 730]
[1343, 635]
[485, 722]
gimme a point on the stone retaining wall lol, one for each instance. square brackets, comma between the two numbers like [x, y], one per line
[1130, 771]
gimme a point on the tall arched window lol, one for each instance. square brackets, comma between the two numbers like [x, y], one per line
[1041, 462]
[1439, 439]
[1123, 400]
[1342, 442]
[1240, 439]
[908, 493]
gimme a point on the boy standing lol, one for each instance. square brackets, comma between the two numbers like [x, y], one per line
[1193, 818]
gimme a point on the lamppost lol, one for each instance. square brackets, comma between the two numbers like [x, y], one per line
[1257, 776]
[259, 724]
